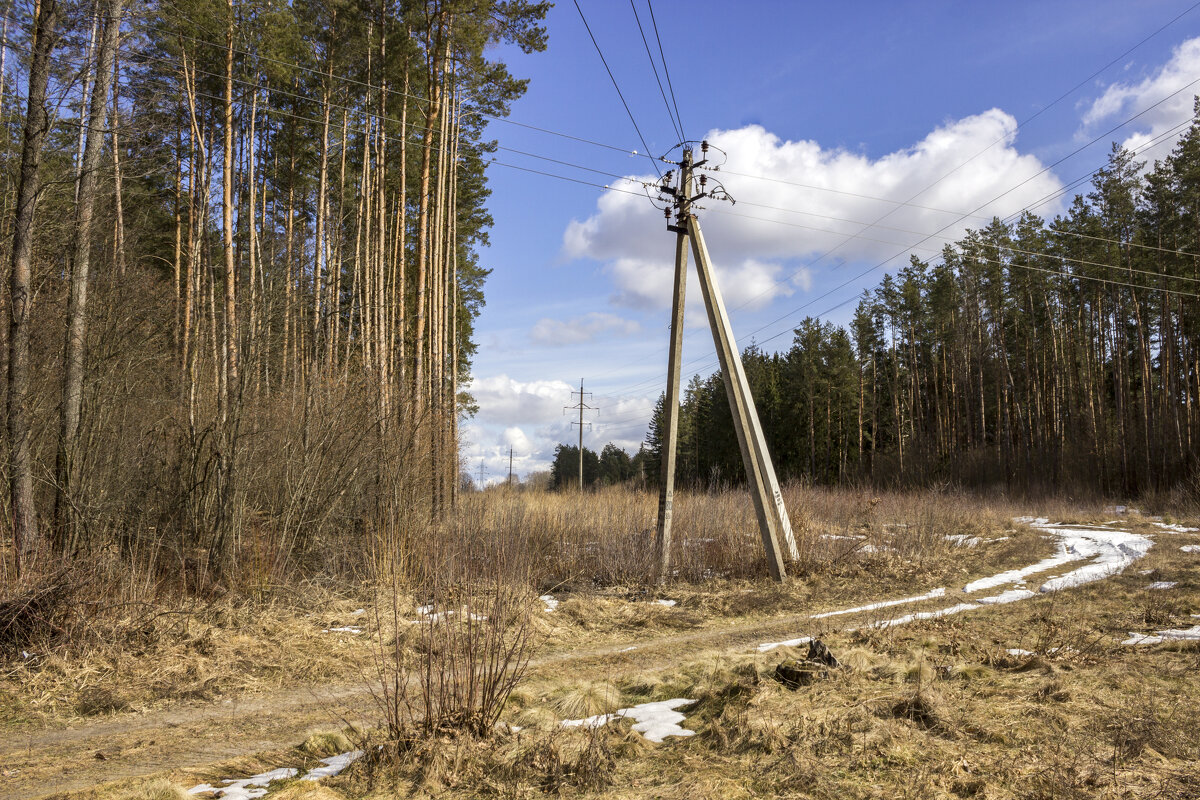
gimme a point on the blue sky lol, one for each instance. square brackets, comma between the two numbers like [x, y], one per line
[924, 118]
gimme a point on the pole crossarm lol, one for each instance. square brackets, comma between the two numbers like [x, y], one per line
[769, 507]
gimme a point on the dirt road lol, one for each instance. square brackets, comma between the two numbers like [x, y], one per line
[37, 762]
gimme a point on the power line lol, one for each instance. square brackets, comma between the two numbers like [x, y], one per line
[666, 70]
[611, 77]
[654, 69]
[655, 381]
[373, 115]
[1037, 114]
[347, 80]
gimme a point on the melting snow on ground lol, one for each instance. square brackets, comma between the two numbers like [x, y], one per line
[667, 603]
[235, 789]
[1175, 528]
[344, 629]
[256, 785]
[1107, 551]
[884, 604]
[550, 602]
[1017, 651]
[1009, 596]
[1163, 585]
[333, 765]
[1191, 634]
[1191, 548]
[907, 618]
[655, 721]
[765, 646]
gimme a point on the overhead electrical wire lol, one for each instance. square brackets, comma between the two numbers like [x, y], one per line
[962, 216]
[654, 69]
[793, 312]
[613, 78]
[347, 80]
[666, 69]
[1035, 115]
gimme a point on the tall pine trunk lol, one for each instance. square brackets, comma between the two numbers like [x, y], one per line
[37, 125]
[66, 473]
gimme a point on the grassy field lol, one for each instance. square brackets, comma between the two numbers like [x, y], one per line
[936, 708]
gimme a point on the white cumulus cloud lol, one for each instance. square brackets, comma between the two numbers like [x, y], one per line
[818, 202]
[1168, 92]
[510, 402]
[555, 332]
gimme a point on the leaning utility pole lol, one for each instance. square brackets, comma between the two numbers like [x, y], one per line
[581, 406]
[760, 473]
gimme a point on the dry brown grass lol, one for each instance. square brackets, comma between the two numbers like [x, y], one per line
[182, 654]
[933, 709]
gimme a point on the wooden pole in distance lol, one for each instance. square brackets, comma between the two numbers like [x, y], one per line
[764, 489]
[666, 489]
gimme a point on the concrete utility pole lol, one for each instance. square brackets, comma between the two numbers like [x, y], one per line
[666, 493]
[581, 406]
[760, 472]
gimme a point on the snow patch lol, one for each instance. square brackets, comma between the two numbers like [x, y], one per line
[962, 540]
[1191, 548]
[907, 618]
[256, 785]
[1173, 528]
[344, 629]
[764, 647]
[882, 604]
[667, 603]
[246, 788]
[1191, 634]
[655, 721]
[1010, 596]
[1163, 585]
[333, 765]
[1108, 551]
[550, 602]
[1017, 651]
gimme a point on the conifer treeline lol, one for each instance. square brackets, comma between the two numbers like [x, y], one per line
[276, 208]
[1031, 356]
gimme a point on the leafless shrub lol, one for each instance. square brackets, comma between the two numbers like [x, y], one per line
[454, 659]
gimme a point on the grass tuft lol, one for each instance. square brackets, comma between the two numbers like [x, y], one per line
[327, 743]
[157, 789]
[587, 700]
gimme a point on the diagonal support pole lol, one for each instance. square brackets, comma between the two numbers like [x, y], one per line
[760, 473]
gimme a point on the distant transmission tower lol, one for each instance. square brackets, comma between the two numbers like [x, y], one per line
[581, 406]
[482, 472]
